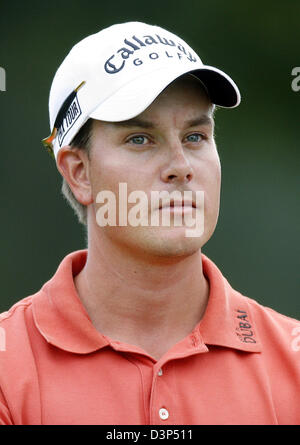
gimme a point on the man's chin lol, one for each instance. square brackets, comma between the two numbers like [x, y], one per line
[171, 242]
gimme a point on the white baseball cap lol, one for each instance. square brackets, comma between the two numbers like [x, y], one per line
[115, 74]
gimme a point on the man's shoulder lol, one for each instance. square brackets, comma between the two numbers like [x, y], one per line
[16, 311]
[267, 314]
[23, 310]
[14, 323]
[17, 362]
[273, 327]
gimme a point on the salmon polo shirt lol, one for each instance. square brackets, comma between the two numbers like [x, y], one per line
[239, 365]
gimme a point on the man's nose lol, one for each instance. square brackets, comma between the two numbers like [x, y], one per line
[177, 167]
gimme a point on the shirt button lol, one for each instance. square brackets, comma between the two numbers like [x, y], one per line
[163, 413]
[160, 372]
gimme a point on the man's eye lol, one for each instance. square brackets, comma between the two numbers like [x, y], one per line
[195, 137]
[138, 140]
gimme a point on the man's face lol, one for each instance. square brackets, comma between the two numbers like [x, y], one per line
[170, 147]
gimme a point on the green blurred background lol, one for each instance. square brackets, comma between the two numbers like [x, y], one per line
[256, 243]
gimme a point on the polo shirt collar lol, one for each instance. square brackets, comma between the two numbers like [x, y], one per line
[63, 321]
[59, 314]
[228, 320]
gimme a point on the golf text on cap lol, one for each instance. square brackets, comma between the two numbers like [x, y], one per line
[70, 117]
[135, 44]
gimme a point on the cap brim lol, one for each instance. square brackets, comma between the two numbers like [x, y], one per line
[220, 87]
[134, 97]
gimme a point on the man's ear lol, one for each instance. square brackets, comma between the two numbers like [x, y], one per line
[73, 164]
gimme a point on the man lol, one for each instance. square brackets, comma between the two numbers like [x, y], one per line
[142, 328]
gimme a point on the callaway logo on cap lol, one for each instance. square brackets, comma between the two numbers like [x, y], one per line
[115, 74]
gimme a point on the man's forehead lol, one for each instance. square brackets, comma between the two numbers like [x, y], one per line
[204, 119]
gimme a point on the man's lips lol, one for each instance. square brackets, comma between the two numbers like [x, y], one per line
[178, 204]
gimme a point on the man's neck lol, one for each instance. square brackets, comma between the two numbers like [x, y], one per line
[150, 304]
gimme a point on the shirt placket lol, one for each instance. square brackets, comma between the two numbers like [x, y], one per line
[164, 408]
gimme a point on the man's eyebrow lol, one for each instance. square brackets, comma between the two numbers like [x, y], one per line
[142, 123]
[201, 120]
[135, 122]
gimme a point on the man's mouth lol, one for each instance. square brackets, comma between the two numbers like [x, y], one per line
[178, 205]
